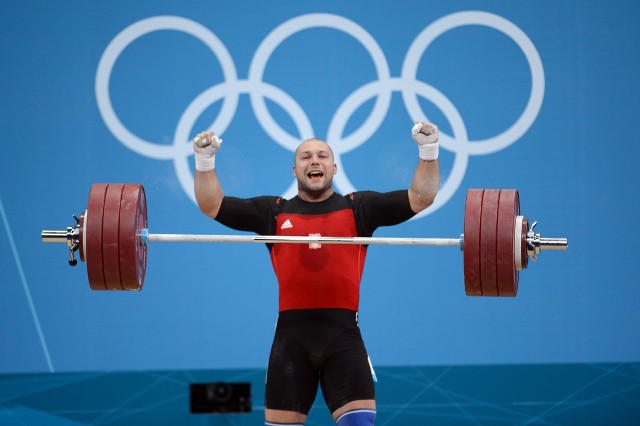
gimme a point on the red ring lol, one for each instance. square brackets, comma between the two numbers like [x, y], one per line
[133, 254]
[507, 276]
[93, 235]
[111, 237]
[488, 242]
[471, 248]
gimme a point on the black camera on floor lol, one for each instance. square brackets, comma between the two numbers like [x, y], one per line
[222, 397]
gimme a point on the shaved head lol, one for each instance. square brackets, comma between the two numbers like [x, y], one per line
[308, 142]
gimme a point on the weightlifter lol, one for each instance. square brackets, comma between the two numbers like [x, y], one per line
[317, 339]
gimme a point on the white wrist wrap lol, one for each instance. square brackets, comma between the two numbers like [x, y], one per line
[429, 151]
[204, 162]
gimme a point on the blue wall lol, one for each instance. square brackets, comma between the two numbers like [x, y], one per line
[539, 96]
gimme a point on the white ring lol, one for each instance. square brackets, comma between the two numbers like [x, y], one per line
[517, 243]
[84, 235]
[121, 42]
[360, 96]
[200, 104]
[318, 20]
[455, 20]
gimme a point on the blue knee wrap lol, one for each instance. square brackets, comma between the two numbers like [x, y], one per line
[359, 417]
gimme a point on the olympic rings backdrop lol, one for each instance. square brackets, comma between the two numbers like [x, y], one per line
[538, 96]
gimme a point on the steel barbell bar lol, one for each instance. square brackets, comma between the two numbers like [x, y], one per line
[146, 238]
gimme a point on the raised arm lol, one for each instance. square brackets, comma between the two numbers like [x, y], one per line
[424, 186]
[207, 187]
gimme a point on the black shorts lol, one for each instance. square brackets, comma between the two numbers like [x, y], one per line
[314, 346]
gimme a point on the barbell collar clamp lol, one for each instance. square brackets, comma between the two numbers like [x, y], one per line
[71, 237]
[536, 243]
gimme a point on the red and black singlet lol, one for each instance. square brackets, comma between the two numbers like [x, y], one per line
[317, 276]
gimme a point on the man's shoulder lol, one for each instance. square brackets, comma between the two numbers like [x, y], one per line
[260, 202]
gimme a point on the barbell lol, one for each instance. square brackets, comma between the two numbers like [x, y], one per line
[112, 238]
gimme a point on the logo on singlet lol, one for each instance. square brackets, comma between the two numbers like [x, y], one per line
[287, 224]
[315, 246]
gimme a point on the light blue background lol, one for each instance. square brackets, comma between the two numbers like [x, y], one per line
[214, 306]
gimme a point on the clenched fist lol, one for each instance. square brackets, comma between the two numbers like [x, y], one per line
[426, 136]
[205, 146]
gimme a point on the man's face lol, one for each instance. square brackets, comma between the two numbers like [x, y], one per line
[314, 169]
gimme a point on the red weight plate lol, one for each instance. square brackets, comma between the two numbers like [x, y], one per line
[507, 276]
[488, 242]
[111, 237]
[92, 236]
[133, 254]
[471, 248]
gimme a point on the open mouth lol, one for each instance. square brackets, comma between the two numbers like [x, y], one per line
[315, 174]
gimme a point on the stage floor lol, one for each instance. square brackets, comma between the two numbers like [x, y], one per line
[559, 394]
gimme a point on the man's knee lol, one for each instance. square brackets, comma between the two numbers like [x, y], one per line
[283, 417]
[357, 417]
